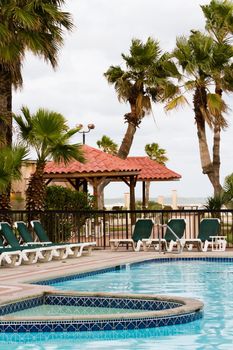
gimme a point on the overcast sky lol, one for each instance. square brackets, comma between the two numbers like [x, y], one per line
[77, 89]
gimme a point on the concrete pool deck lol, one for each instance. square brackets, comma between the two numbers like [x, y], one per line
[15, 281]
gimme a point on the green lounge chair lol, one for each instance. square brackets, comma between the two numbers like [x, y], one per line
[142, 230]
[208, 236]
[30, 254]
[72, 250]
[56, 252]
[9, 256]
[174, 232]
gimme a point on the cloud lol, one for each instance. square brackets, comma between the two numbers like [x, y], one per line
[78, 89]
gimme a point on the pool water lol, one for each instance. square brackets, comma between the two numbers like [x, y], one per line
[212, 282]
[64, 310]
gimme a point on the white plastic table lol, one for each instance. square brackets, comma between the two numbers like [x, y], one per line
[218, 243]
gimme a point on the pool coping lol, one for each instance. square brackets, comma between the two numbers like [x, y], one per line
[95, 271]
[187, 310]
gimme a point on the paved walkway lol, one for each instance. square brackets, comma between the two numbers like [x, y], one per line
[15, 282]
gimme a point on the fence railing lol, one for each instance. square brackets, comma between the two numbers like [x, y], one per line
[101, 226]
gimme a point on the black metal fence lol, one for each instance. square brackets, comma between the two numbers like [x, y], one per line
[101, 226]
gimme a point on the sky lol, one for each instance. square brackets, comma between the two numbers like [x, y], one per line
[77, 88]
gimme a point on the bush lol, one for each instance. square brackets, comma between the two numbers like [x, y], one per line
[61, 227]
[61, 198]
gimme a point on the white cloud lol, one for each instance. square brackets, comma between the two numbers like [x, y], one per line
[78, 89]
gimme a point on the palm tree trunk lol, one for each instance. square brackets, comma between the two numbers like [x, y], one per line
[5, 124]
[35, 193]
[127, 141]
[5, 205]
[200, 103]
[5, 107]
[216, 148]
[216, 160]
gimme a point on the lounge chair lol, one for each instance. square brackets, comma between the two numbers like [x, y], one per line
[72, 250]
[174, 232]
[207, 236]
[142, 229]
[56, 252]
[29, 255]
[9, 256]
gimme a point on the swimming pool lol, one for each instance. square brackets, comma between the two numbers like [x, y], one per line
[209, 281]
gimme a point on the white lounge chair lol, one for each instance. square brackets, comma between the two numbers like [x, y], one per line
[28, 255]
[9, 256]
[207, 237]
[142, 229]
[174, 232]
[72, 250]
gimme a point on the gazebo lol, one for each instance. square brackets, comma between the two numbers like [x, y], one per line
[101, 166]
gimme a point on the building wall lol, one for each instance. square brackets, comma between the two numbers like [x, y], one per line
[18, 188]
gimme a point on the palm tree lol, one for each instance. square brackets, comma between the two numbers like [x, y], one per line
[10, 165]
[26, 25]
[157, 154]
[201, 60]
[48, 134]
[145, 80]
[219, 24]
[228, 190]
[219, 20]
[106, 144]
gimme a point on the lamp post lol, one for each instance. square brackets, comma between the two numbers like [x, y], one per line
[84, 132]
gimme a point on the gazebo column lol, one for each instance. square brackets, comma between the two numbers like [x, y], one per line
[132, 183]
[143, 195]
[132, 192]
[96, 192]
[85, 187]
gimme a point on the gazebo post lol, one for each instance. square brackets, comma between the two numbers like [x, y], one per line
[143, 195]
[132, 183]
[85, 187]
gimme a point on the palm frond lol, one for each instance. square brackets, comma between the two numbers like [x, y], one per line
[61, 152]
[178, 101]
[10, 164]
[216, 105]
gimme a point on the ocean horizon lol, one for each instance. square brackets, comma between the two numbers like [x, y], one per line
[166, 201]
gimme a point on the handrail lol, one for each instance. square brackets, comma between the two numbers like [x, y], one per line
[175, 235]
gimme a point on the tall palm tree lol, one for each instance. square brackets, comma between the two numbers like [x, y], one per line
[219, 24]
[26, 25]
[145, 80]
[157, 154]
[106, 144]
[48, 134]
[10, 165]
[201, 59]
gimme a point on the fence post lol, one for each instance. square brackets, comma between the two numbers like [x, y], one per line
[104, 229]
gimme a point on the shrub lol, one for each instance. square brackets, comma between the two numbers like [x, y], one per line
[61, 227]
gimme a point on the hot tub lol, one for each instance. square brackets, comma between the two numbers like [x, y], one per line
[73, 311]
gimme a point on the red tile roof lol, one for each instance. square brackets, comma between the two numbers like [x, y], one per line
[152, 170]
[96, 161]
[101, 162]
